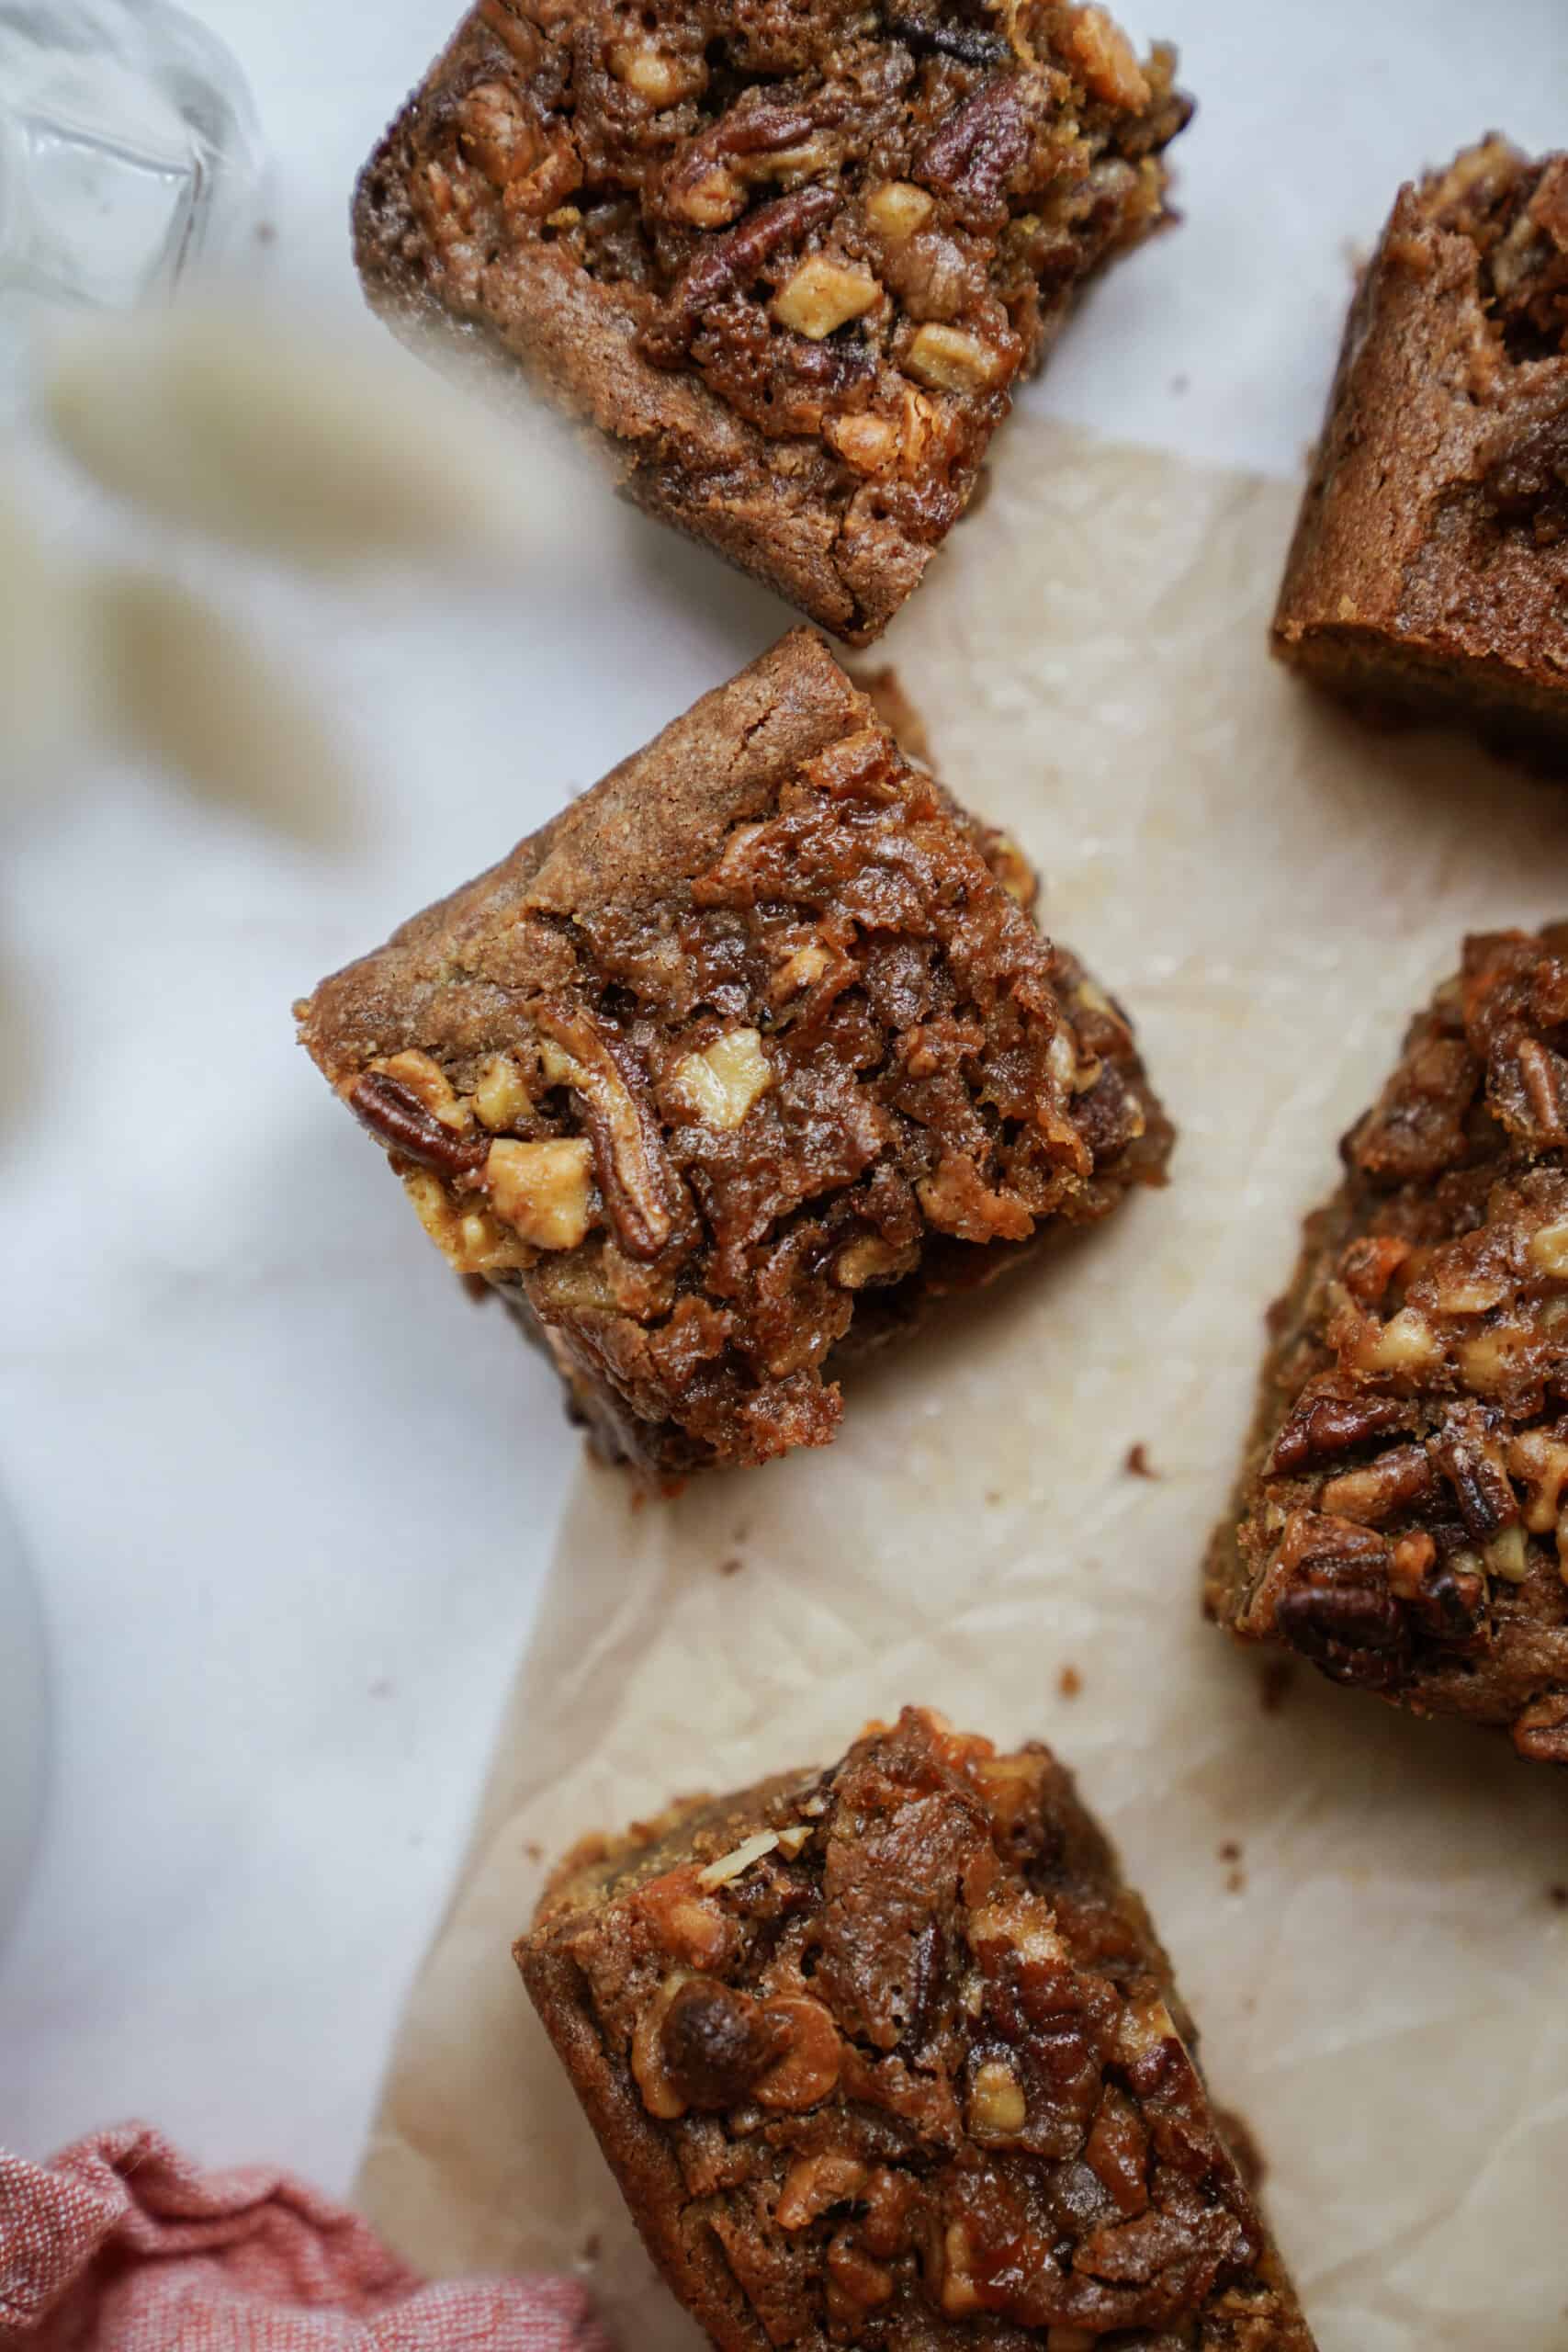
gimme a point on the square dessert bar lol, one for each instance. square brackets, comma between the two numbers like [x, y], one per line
[1429, 573]
[789, 257]
[738, 1060]
[1402, 1514]
[889, 2055]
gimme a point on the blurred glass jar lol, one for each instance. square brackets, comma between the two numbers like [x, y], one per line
[128, 153]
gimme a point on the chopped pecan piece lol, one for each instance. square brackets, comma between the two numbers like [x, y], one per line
[396, 1116]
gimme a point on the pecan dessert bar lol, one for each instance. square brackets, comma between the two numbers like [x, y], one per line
[889, 2055]
[789, 260]
[739, 1059]
[1402, 1519]
[1429, 573]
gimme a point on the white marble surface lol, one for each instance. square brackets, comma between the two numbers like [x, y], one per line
[288, 1497]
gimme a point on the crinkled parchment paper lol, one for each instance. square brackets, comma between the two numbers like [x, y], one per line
[1381, 1974]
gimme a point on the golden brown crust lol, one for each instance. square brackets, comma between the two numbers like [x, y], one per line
[890, 2055]
[1429, 572]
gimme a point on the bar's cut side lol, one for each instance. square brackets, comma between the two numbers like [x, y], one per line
[889, 2055]
[1402, 1519]
[788, 260]
[740, 1059]
[1429, 573]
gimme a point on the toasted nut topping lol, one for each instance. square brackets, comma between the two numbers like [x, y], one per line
[1487, 1360]
[951, 359]
[868, 1261]
[429, 1082]
[1025, 1921]
[803, 971]
[710, 199]
[1062, 1058]
[822, 295]
[544, 1191]
[1144, 2027]
[714, 2040]
[997, 2105]
[810, 2067]
[898, 209]
[501, 1098]
[794, 1839]
[870, 444]
[1473, 1296]
[853, 2276]
[812, 2184]
[1507, 1555]
[1549, 1250]
[740, 1857]
[719, 1085]
[641, 1190]
[475, 1242]
[649, 2072]
[1540, 1461]
[1405, 1344]
[664, 81]
[1106, 59]
[959, 2294]
[787, 163]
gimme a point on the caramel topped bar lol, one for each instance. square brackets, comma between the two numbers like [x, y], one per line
[889, 2055]
[736, 1064]
[789, 260]
[1403, 1515]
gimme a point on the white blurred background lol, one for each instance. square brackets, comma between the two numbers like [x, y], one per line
[287, 1497]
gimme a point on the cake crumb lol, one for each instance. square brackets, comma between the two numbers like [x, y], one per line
[1137, 1464]
[1069, 1683]
[1230, 1851]
[1558, 1895]
[732, 1566]
[1274, 1684]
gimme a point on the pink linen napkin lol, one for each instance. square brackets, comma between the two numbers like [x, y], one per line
[122, 2245]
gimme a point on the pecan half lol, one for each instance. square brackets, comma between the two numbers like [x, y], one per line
[726, 264]
[1472, 1460]
[1542, 1732]
[1322, 1426]
[639, 1185]
[1352, 1630]
[395, 1116]
[977, 149]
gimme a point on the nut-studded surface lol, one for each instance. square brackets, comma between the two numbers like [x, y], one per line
[753, 1045]
[888, 2055]
[1429, 573]
[1402, 1517]
[789, 260]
